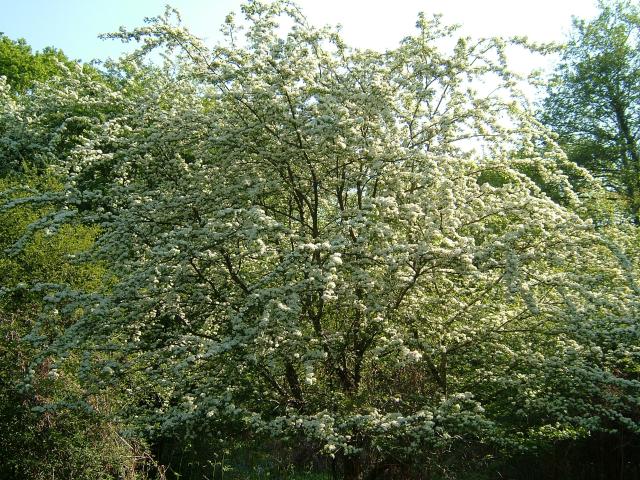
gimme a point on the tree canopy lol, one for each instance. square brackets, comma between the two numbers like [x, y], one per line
[342, 249]
[22, 67]
[593, 99]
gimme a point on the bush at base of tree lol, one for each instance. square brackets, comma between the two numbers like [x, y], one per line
[50, 428]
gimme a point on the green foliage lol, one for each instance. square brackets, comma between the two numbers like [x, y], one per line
[51, 427]
[284, 255]
[27, 84]
[594, 97]
[23, 68]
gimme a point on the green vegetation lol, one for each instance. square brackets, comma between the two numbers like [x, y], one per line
[23, 68]
[280, 258]
[49, 429]
[593, 101]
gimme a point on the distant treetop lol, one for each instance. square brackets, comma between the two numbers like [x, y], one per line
[22, 66]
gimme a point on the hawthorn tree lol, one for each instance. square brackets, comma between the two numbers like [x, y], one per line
[342, 248]
[41, 127]
[52, 425]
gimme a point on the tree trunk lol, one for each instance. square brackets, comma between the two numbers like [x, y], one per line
[352, 468]
[631, 159]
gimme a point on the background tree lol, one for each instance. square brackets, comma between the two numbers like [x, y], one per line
[593, 101]
[22, 67]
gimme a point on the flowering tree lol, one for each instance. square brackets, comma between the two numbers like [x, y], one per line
[346, 247]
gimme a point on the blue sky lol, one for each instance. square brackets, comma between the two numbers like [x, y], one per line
[73, 25]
